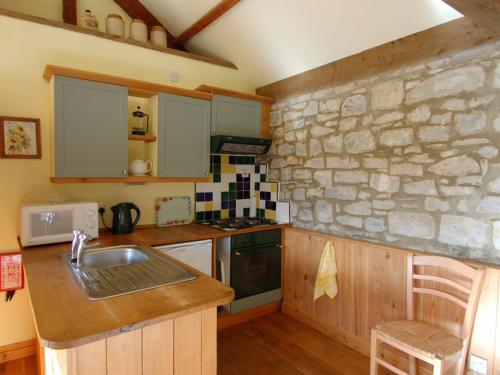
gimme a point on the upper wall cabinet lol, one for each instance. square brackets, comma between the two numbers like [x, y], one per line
[90, 122]
[236, 116]
[183, 136]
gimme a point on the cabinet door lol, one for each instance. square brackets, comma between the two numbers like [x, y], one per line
[234, 116]
[183, 136]
[91, 129]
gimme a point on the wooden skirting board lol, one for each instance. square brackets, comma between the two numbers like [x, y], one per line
[17, 350]
[228, 321]
[437, 41]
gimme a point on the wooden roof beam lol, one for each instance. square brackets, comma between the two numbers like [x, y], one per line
[484, 13]
[69, 11]
[211, 16]
[135, 9]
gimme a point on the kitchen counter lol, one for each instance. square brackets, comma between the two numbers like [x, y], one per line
[65, 318]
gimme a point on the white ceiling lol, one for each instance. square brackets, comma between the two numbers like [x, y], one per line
[273, 39]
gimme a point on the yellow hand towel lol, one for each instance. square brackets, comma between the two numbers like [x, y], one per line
[326, 278]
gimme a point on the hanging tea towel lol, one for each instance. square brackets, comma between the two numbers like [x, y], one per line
[326, 278]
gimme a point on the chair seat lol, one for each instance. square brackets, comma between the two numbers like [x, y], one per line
[426, 339]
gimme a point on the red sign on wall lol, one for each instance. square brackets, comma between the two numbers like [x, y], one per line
[11, 272]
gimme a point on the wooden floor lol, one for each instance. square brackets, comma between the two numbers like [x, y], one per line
[22, 366]
[277, 344]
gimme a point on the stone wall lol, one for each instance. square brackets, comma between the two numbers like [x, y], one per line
[408, 157]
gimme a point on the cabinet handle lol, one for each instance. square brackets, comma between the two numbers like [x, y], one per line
[213, 131]
[237, 253]
[125, 171]
[207, 172]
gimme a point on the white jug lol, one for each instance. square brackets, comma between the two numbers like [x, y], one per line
[140, 167]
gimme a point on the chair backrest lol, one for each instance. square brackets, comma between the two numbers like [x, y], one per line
[464, 289]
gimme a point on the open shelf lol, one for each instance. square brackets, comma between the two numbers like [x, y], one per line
[143, 138]
[124, 180]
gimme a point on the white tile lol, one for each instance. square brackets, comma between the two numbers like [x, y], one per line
[200, 206]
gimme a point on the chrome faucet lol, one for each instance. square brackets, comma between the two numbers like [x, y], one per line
[78, 247]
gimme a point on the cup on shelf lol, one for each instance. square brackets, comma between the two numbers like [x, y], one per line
[140, 167]
[139, 30]
[159, 36]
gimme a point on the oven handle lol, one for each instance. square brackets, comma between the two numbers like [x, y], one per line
[246, 249]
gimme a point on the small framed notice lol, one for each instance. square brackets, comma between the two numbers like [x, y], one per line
[11, 272]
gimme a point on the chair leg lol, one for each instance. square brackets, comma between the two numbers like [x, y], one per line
[413, 365]
[460, 365]
[374, 353]
[438, 368]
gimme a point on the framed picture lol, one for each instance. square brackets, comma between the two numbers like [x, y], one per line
[20, 138]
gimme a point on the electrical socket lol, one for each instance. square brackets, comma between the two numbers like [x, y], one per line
[174, 76]
[478, 364]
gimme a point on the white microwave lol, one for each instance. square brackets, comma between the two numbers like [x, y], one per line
[44, 224]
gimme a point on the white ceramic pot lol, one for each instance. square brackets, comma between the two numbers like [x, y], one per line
[140, 167]
[159, 36]
[115, 25]
[139, 30]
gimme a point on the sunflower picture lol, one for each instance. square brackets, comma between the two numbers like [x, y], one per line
[19, 138]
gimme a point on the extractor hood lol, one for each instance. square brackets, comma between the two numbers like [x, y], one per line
[228, 144]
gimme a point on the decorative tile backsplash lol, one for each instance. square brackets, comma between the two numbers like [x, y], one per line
[233, 181]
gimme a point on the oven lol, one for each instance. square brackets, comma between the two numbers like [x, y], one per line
[250, 263]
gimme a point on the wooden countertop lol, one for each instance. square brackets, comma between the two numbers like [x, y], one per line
[65, 318]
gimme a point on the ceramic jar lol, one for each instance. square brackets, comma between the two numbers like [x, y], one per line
[140, 167]
[159, 36]
[115, 25]
[139, 30]
[88, 20]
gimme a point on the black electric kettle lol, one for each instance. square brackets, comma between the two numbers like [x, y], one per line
[122, 217]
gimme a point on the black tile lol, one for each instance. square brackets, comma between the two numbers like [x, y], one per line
[224, 204]
[200, 216]
[257, 169]
[263, 195]
[212, 159]
[224, 196]
[271, 205]
[262, 178]
[257, 186]
[261, 212]
[232, 186]
[208, 215]
[216, 168]
[240, 195]
[240, 159]
[268, 196]
[232, 213]
[239, 177]
[232, 195]
[239, 186]
[232, 159]
[246, 194]
[246, 185]
[217, 177]
[200, 197]
[216, 215]
[232, 204]
[246, 212]
[217, 159]
[252, 160]
[211, 168]
[209, 197]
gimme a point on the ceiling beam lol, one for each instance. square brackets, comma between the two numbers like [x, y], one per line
[135, 9]
[211, 16]
[69, 11]
[484, 13]
[434, 42]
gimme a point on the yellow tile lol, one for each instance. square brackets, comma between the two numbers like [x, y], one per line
[224, 214]
[228, 168]
[211, 177]
[224, 159]
[274, 188]
[209, 206]
[270, 214]
[257, 203]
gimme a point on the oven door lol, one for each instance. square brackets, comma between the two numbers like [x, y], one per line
[255, 270]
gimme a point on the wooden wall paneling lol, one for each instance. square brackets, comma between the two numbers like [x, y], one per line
[187, 344]
[69, 11]
[18, 350]
[126, 345]
[266, 120]
[434, 42]
[89, 359]
[158, 348]
[209, 342]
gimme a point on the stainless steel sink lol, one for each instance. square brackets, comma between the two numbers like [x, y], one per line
[113, 271]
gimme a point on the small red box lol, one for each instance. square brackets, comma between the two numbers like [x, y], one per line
[11, 272]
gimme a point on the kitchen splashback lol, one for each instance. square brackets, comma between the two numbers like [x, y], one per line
[233, 181]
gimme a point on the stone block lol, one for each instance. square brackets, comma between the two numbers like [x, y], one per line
[469, 124]
[361, 208]
[323, 211]
[396, 137]
[351, 177]
[454, 104]
[389, 117]
[350, 221]
[387, 204]
[315, 147]
[324, 178]
[447, 83]
[321, 131]
[330, 105]
[359, 142]
[411, 224]
[306, 214]
[406, 169]
[455, 166]
[333, 144]
[387, 95]
[376, 163]
[440, 133]
[354, 105]
[316, 163]
[463, 231]
[337, 162]
[489, 205]
[299, 194]
[311, 109]
[420, 114]
[302, 174]
[425, 187]
[384, 183]
[342, 192]
[375, 224]
[435, 204]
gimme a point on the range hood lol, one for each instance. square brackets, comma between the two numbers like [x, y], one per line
[228, 144]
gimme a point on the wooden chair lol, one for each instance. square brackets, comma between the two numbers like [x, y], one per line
[424, 341]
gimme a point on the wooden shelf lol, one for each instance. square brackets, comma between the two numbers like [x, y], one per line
[124, 180]
[66, 26]
[143, 138]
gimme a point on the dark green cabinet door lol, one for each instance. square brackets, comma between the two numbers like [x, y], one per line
[235, 116]
[183, 136]
[91, 132]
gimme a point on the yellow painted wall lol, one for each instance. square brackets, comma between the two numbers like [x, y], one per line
[26, 49]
